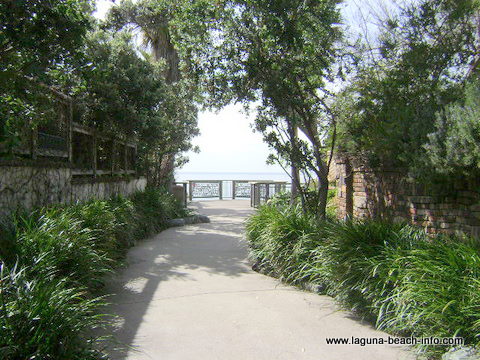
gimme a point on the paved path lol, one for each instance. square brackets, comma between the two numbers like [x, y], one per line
[189, 293]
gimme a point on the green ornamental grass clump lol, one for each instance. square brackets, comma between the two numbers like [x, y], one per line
[295, 234]
[392, 274]
[437, 291]
[53, 263]
[46, 319]
[151, 210]
[56, 244]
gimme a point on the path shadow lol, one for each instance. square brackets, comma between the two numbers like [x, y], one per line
[216, 248]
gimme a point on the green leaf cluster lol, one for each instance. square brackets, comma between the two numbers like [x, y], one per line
[53, 264]
[394, 275]
[424, 54]
[454, 146]
[36, 37]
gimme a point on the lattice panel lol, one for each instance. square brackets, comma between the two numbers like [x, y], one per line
[242, 190]
[206, 190]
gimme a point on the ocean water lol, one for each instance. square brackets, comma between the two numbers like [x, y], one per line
[185, 176]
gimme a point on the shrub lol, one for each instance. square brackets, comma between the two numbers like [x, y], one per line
[283, 199]
[57, 259]
[437, 291]
[281, 238]
[453, 148]
[126, 216]
[352, 259]
[152, 208]
[58, 245]
[45, 319]
[107, 223]
[393, 274]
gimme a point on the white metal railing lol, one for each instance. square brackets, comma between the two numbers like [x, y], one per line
[258, 191]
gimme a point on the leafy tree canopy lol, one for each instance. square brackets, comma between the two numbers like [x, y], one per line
[454, 147]
[177, 32]
[281, 54]
[119, 90]
[389, 109]
[36, 37]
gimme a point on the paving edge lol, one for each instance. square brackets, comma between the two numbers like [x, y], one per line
[195, 219]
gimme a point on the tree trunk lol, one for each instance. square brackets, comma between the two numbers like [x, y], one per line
[295, 174]
[167, 167]
[322, 197]
[163, 49]
[322, 167]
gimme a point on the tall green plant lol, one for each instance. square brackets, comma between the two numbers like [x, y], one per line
[422, 56]
[46, 319]
[57, 245]
[282, 53]
[392, 274]
[454, 146]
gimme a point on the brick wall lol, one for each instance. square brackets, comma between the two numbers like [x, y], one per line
[388, 194]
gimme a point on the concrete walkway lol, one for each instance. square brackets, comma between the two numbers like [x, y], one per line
[189, 293]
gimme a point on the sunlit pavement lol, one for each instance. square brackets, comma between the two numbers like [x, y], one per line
[190, 293]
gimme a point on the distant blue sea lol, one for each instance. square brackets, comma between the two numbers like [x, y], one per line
[186, 175]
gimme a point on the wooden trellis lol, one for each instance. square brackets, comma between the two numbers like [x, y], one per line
[95, 153]
[89, 151]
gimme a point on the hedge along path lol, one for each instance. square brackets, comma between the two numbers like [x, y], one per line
[190, 293]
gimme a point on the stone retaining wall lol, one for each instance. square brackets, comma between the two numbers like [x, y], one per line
[31, 184]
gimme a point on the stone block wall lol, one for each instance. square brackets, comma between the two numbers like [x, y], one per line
[388, 194]
[85, 189]
[24, 186]
[31, 184]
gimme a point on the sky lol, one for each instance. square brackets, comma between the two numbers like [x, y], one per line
[227, 142]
